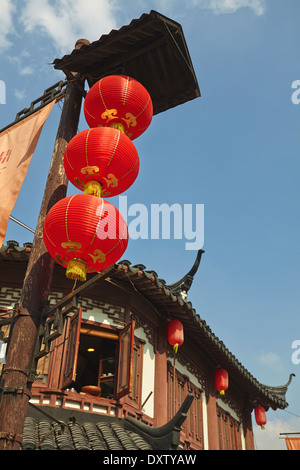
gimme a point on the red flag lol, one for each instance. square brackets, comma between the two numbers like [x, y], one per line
[17, 145]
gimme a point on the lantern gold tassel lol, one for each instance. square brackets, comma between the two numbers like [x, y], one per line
[222, 392]
[93, 187]
[119, 126]
[175, 347]
[76, 269]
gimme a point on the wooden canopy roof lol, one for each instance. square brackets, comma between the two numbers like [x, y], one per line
[151, 49]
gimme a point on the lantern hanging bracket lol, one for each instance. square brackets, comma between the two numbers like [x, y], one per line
[53, 317]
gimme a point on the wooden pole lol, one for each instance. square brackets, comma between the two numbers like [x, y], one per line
[17, 376]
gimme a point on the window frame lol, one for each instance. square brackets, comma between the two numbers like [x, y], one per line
[74, 327]
[125, 389]
[70, 350]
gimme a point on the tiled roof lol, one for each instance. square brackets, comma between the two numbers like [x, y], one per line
[83, 432]
[44, 435]
[13, 252]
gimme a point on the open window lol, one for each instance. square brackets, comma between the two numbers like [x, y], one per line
[97, 359]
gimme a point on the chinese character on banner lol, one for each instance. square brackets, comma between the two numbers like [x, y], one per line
[17, 145]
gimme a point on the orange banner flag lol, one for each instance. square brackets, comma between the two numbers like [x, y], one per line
[17, 145]
[292, 443]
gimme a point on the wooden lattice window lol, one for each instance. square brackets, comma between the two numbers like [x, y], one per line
[43, 368]
[135, 396]
[229, 431]
[179, 386]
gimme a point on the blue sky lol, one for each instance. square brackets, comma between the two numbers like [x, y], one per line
[235, 150]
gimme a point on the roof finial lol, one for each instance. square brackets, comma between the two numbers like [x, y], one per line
[184, 284]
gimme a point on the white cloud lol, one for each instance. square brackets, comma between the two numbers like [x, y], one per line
[18, 61]
[27, 70]
[271, 438]
[231, 6]
[272, 360]
[20, 94]
[7, 28]
[65, 21]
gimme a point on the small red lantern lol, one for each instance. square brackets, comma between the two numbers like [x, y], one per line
[260, 416]
[175, 334]
[119, 101]
[221, 380]
[85, 234]
[101, 161]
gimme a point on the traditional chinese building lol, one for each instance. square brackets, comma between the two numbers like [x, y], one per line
[112, 381]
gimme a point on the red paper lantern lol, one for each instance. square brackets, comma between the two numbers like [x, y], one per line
[101, 161]
[85, 234]
[260, 416]
[221, 380]
[119, 101]
[175, 334]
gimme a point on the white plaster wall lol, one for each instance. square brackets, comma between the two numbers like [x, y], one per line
[148, 373]
[205, 426]
[98, 315]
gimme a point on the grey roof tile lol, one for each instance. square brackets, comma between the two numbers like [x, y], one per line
[45, 435]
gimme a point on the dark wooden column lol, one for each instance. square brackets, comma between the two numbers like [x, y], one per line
[17, 375]
[160, 377]
[248, 429]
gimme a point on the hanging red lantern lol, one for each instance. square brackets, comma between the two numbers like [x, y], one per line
[119, 101]
[85, 234]
[101, 161]
[260, 416]
[221, 380]
[175, 334]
